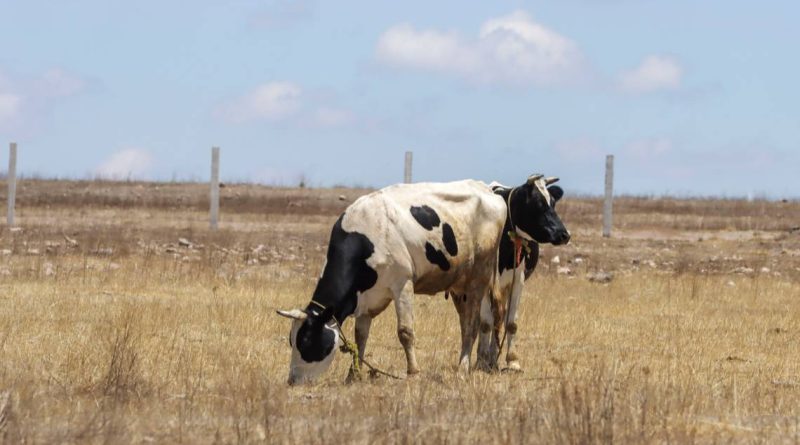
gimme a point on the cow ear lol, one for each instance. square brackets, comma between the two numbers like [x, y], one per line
[556, 192]
[295, 314]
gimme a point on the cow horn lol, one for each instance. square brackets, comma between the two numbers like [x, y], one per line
[551, 180]
[295, 314]
[534, 178]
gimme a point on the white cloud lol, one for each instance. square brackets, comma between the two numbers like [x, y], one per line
[653, 74]
[513, 49]
[648, 148]
[125, 164]
[27, 101]
[271, 101]
[280, 177]
[286, 102]
[10, 106]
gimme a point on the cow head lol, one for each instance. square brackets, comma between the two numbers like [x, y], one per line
[533, 211]
[313, 346]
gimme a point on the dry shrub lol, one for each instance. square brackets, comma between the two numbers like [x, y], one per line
[122, 378]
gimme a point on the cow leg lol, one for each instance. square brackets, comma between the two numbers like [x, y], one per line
[405, 324]
[499, 316]
[487, 348]
[468, 306]
[363, 323]
[511, 324]
[469, 332]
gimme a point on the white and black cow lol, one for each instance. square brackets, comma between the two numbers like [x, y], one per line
[414, 238]
[513, 272]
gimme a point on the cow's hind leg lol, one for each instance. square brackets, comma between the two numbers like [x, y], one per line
[487, 347]
[405, 324]
[468, 308]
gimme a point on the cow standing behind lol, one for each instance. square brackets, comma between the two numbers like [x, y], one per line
[541, 224]
[413, 238]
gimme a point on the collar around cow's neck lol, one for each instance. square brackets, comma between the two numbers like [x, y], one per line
[515, 233]
[508, 208]
[318, 315]
[514, 230]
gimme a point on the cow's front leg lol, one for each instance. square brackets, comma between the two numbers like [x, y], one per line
[512, 361]
[363, 323]
[405, 324]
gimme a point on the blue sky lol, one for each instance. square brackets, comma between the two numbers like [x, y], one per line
[691, 97]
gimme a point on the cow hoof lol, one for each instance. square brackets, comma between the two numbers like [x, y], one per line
[463, 368]
[485, 366]
[411, 373]
[352, 377]
[513, 366]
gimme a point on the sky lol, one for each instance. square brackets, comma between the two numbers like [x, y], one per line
[692, 98]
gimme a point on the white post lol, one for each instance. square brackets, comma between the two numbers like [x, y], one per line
[609, 199]
[214, 187]
[407, 170]
[11, 179]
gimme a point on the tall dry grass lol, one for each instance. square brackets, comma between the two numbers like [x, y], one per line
[160, 351]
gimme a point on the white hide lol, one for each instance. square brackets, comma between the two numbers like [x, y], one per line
[474, 211]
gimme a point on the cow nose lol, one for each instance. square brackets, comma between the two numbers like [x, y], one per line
[563, 238]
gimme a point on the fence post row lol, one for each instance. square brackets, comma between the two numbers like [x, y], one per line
[609, 198]
[407, 169]
[214, 210]
[214, 207]
[11, 179]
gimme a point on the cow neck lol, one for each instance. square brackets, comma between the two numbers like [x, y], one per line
[320, 313]
[506, 252]
[324, 311]
[346, 274]
[509, 219]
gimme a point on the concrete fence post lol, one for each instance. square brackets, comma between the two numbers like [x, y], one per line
[407, 169]
[11, 179]
[214, 210]
[608, 204]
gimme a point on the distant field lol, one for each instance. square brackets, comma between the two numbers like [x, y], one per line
[123, 319]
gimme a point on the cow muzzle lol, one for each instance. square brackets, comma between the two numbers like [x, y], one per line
[561, 237]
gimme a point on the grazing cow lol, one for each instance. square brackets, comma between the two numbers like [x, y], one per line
[513, 272]
[413, 238]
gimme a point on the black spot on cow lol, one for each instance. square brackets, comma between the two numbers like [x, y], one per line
[346, 274]
[436, 256]
[314, 341]
[449, 240]
[556, 193]
[425, 216]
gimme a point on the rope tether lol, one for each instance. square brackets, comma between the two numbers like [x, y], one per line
[349, 347]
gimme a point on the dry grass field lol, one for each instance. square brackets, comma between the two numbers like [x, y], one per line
[114, 331]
